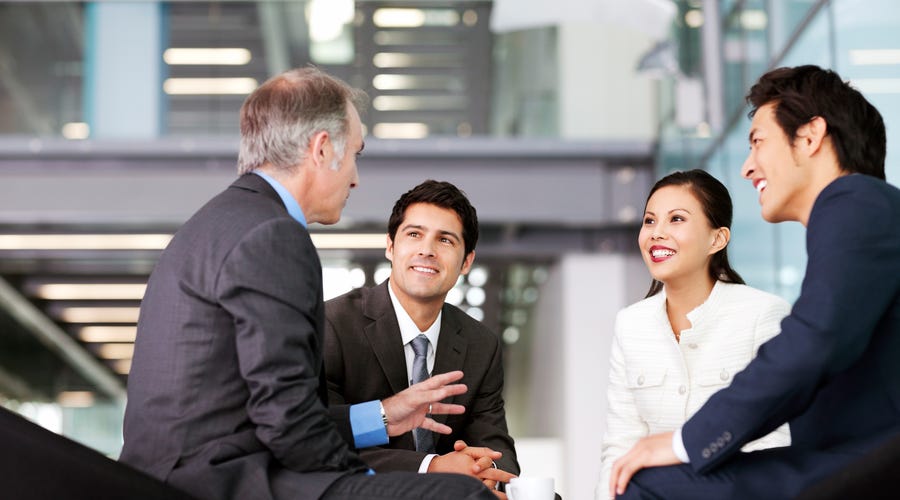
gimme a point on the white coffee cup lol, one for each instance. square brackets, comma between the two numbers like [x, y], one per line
[530, 488]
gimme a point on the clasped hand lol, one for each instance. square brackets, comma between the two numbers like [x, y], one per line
[473, 461]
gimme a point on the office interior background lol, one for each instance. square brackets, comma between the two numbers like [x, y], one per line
[119, 119]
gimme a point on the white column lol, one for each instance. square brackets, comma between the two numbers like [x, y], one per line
[123, 69]
[569, 364]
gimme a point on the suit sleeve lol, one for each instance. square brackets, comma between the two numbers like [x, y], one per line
[271, 285]
[828, 330]
[380, 458]
[624, 425]
[486, 425]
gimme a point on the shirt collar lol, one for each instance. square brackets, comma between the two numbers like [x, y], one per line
[290, 203]
[408, 328]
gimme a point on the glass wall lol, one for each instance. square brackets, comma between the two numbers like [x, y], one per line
[856, 38]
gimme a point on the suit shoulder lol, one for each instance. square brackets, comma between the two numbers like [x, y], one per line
[749, 296]
[469, 324]
[641, 308]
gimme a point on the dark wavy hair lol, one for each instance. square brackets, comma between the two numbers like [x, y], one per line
[716, 202]
[444, 195]
[804, 92]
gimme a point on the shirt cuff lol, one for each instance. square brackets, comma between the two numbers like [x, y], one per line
[678, 447]
[426, 462]
[367, 425]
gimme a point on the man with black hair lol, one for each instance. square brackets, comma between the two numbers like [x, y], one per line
[370, 341]
[817, 150]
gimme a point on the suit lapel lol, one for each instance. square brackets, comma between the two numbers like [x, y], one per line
[451, 350]
[383, 334]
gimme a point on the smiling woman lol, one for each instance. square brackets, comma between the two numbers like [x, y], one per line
[698, 326]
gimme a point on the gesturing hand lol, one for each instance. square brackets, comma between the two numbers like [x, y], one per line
[651, 451]
[413, 406]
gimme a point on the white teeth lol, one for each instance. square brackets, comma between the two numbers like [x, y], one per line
[761, 185]
[662, 253]
[424, 270]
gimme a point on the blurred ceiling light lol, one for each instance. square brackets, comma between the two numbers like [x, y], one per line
[416, 103]
[75, 399]
[693, 18]
[872, 57]
[470, 18]
[400, 130]
[332, 241]
[116, 351]
[76, 130]
[393, 82]
[392, 60]
[84, 241]
[877, 85]
[97, 333]
[122, 366]
[209, 86]
[99, 314]
[90, 291]
[399, 18]
[754, 20]
[208, 56]
[327, 18]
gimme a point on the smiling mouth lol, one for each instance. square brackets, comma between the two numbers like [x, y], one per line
[426, 270]
[761, 185]
[659, 254]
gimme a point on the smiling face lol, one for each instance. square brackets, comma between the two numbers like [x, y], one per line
[783, 184]
[676, 239]
[427, 254]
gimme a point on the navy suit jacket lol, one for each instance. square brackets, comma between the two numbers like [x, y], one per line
[364, 360]
[833, 372]
[226, 396]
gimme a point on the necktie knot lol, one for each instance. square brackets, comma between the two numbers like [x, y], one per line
[420, 345]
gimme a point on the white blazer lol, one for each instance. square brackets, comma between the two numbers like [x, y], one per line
[656, 384]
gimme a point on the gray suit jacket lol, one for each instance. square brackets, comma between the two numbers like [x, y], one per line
[364, 360]
[226, 396]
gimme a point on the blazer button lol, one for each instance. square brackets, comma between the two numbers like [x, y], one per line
[727, 436]
[640, 380]
[724, 375]
[720, 442]
[682, 389]
[713, 447]
[706, 453]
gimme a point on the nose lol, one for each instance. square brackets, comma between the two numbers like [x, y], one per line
[426, 247]
[748, 167]
[354, 181]
[658, 232]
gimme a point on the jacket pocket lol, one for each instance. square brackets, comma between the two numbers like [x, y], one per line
[646, 384]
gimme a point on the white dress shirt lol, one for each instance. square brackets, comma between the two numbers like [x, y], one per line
[409, 331]
[657, 383]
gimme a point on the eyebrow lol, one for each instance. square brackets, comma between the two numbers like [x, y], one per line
[751, 134]
[423, 228]
[648, 212]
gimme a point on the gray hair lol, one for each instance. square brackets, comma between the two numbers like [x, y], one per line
[282, 115]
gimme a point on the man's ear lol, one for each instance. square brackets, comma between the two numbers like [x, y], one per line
[811, 135]
[320, 148]
[389, 249]
[467, 263]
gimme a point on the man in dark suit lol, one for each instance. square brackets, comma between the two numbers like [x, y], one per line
[369, 336]
[226, 396]
[817, 151]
